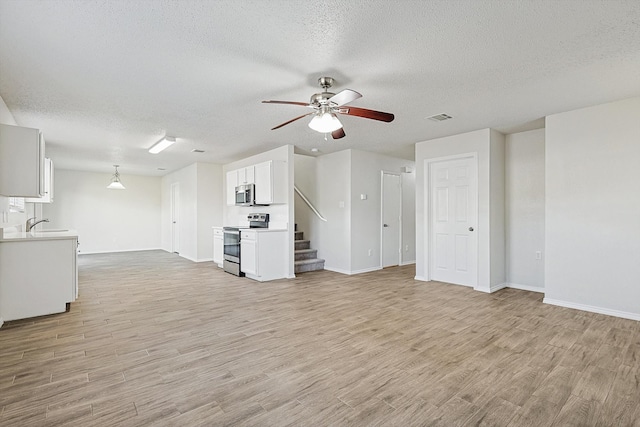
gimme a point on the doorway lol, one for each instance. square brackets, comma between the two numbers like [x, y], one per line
[175, 218]
[452, 219]
[391, 219]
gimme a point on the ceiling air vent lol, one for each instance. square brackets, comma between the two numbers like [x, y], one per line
[195, 150]
[440, 117]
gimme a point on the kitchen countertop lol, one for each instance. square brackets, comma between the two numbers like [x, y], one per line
[14, 236]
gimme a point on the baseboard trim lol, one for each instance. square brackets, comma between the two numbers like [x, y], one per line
[121, 250]
[350, 273]
[495, 288]
[592, 309]
[421, 278]
[526, 287]
[1, 322]
[408, 262]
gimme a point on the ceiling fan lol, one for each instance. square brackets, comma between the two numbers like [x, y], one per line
[327, 105]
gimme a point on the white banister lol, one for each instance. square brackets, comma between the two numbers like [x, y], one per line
[315, 211]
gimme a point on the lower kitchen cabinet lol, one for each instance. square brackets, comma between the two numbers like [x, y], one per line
[218, 246]
[37, 277]
[264, 254]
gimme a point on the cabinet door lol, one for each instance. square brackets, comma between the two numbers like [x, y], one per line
[248, 257]
[48, 185]
[264, 183]
[21, 161]
[232, 182]
[218, 246]
[245, 175]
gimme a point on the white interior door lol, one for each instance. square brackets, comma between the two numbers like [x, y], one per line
[175, 217]
[391, 217]
[453, 189]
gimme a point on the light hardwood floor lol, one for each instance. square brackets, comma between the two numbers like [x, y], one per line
[158, 340]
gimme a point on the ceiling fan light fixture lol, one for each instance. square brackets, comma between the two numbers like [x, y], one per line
[325, 123]
[115, 181]
[162, 144]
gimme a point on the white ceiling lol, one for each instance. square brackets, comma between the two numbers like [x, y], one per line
[104, 80]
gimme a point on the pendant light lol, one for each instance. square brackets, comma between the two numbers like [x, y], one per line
[115, 181]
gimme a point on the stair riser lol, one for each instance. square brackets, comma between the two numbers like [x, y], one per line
[305, 244]
[309, 267]
[299, 256]
[299, 235]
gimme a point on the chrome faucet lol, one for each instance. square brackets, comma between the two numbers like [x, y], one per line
[31, 222]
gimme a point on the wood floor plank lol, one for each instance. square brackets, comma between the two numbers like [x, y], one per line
[155, 339]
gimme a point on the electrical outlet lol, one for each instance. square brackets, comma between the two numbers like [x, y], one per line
[538, 255]
[369, 252]
[406, 248]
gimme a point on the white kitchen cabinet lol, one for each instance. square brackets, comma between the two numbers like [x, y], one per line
[218, 246]
[263, 254]
[48, 185]
[246, 175]
[271, 182]
[248, 253]
[21, 162]
[238, 177]
[37, 276]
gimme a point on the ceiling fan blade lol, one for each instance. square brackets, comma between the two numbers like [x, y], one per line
[304, 104]
[344, 97]
[337, 134]
[367, 114]
[292, 120]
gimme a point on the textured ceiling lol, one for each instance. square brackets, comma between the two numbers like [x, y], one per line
[106, 79]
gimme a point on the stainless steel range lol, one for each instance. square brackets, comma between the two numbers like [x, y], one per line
[232, 256]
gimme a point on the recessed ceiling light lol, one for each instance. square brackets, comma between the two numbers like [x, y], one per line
[161, 169]
[314, 150]
[440, 117]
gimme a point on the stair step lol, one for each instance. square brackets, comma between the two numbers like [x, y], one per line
[299, 235]
[301, 254]
[306, 265]
[302, 244]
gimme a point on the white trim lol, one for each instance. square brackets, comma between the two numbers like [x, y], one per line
[526, 287]
[120, 250]
[1, 322]
[492, 288]
[592, 309]
[350, 273]
[400, 223]
[408, 262]
[420, 278]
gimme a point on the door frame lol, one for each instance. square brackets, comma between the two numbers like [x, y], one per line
[400, 223]
[428, 226]
[175, 217]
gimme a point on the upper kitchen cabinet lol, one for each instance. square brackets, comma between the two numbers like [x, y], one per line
[48, 185]
[21, 162]
[237, 177]
[271, 182]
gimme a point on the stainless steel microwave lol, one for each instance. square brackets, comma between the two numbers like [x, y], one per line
[245, 195]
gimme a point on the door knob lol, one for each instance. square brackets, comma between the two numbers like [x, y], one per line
[470, 228]
[385, 225]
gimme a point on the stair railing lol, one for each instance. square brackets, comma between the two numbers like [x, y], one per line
[303, 197]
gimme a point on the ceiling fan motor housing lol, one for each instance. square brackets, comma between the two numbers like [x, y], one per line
[321, 98]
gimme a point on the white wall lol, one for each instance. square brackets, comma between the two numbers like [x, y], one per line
[486, 145]
[210, 205]
[524, 196]
[592, 202]
[200, 208]
[334, 203]
[280, 215]
[106, 220]
[366, 214]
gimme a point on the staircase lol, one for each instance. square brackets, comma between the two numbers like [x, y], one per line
[306, 259]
